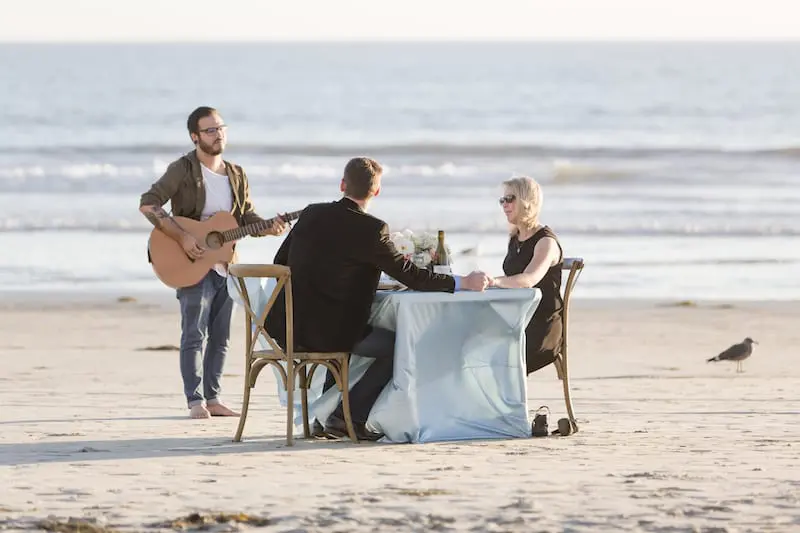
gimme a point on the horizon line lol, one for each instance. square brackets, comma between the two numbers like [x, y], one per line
[426, 40]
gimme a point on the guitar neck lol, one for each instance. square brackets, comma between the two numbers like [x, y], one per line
[257, 227]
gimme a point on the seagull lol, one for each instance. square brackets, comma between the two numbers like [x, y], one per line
[737, 352]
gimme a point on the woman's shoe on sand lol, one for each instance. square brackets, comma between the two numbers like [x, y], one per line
[539, 426]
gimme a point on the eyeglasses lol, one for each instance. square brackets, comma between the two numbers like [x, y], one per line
[507, 199]
[213, 130]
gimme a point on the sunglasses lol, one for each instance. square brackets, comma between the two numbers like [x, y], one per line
[507, 199]
[214, 130]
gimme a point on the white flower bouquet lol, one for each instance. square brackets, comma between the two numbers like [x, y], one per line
[417, 247]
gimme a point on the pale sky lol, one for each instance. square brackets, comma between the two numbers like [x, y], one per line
[263, 20]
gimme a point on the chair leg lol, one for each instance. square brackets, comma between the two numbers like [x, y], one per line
[560, 362]
[344, 374]
[559, 368]
[304, 384]
[245, 405]
[290, 381]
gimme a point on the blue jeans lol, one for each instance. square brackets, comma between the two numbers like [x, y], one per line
[205, 316]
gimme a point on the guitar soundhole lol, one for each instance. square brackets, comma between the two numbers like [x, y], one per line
[214, 240]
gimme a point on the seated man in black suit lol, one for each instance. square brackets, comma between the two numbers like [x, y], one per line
[336, 252]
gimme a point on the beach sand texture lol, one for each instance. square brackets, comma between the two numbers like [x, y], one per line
[93, 427]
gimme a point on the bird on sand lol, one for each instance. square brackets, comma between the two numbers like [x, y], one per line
[737, 352]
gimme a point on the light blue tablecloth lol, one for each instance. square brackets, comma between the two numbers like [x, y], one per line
[459, 364]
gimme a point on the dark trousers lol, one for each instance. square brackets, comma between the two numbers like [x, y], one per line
[379, 345]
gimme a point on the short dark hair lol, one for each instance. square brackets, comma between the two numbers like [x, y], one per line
[194, 117]
[361, 176]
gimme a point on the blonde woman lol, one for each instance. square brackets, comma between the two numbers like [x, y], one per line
[533, 259]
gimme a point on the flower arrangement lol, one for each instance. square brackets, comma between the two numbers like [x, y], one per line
[417, 247]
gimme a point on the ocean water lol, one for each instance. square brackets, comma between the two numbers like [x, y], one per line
[672, 169]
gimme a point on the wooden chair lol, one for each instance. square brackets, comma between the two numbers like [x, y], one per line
[296, 361]
[575, 266]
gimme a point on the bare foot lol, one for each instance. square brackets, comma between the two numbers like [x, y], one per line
[199, 411]
[218, 409]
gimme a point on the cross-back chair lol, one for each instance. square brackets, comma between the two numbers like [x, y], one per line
[291, 363]
[573, 265]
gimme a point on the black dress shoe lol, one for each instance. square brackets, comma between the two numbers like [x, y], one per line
[317, 431]
[336, 427]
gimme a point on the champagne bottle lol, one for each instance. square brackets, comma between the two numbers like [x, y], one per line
[441, 263]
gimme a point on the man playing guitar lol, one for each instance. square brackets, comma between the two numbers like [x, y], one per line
[198, 185]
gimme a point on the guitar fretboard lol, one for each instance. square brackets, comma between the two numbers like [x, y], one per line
[256, 227]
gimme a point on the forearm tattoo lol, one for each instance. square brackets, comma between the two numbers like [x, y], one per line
[156, 216]
[159, 218]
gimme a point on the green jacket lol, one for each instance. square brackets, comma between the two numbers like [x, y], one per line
[182, 186]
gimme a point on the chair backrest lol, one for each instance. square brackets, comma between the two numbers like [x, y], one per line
[283, 279]
[574, 265]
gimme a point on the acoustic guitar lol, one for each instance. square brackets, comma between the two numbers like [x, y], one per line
[217, 234]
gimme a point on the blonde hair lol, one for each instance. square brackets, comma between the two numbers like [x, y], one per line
[528, 201]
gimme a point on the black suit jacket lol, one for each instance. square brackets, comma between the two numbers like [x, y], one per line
[336, 252]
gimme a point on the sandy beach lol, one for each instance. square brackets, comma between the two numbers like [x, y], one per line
[93, 427]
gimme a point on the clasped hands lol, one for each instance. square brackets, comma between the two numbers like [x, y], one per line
[476, 281]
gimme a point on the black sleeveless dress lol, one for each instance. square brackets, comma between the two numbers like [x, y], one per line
[544, 331]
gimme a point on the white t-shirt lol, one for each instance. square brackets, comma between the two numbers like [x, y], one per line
[218, 198]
